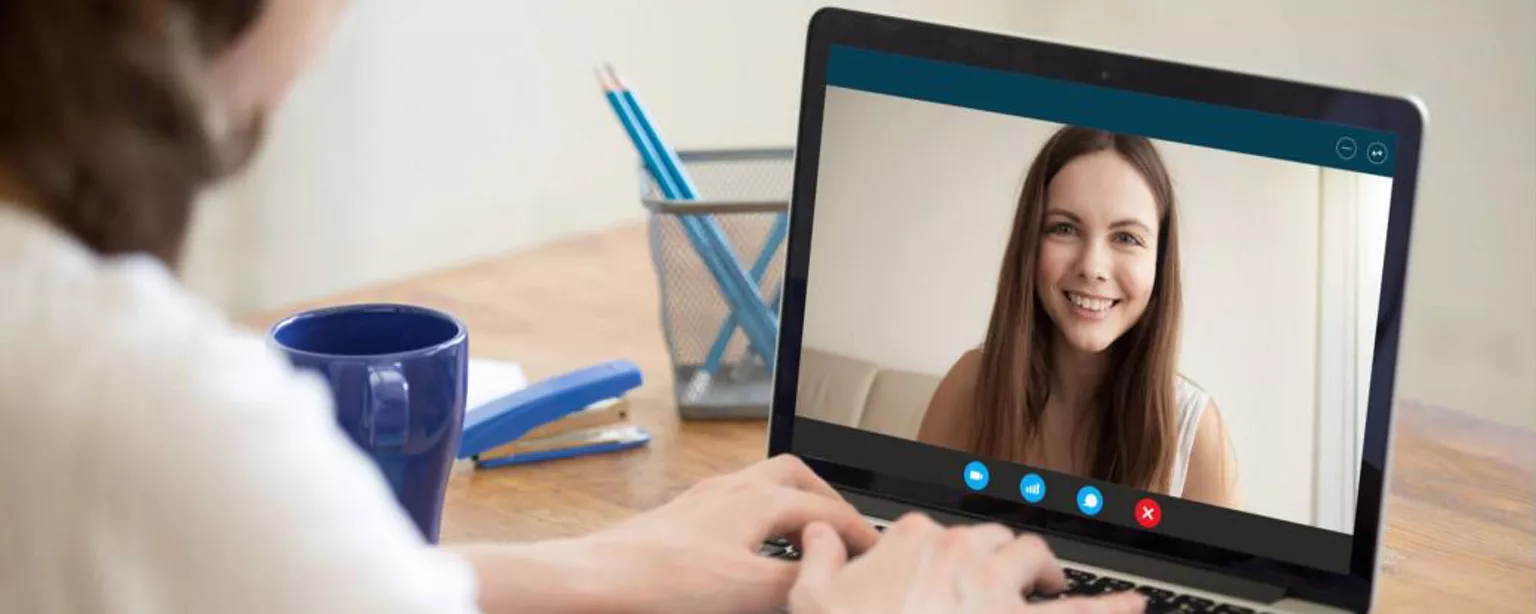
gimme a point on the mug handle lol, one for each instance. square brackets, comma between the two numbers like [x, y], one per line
[389, 414]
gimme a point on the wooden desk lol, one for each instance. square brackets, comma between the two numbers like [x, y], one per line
[1461, 533]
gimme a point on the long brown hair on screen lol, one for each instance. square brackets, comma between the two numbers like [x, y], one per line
[106, 118]
[1135, 417]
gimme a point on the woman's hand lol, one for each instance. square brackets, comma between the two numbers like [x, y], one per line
[920, 566]
[697, 553]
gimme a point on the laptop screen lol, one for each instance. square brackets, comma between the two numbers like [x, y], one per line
[1136, 310]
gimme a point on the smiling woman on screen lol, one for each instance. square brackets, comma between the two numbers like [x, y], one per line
[1077, 370]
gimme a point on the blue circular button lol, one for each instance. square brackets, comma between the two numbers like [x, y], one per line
[1090, 501]
[1032, 487]
[976, 475]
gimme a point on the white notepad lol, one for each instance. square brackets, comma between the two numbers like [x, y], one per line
[492, 379]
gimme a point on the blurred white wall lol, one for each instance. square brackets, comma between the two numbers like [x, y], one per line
[434, 133]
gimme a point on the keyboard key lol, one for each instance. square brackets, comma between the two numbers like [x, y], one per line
[1163, 607]
[1192, 603]
[1039, 597]
[1159, 601]
[1083, 588]
[1115, 585]
[1101, 586]
[1105, 584]
[1075, 579]
[790, 553]
[770, 549]
[1077, 574]
[779, 541]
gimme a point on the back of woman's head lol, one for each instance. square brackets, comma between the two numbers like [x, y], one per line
[106, 114]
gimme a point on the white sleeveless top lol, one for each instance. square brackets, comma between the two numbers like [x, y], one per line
[1191, 401]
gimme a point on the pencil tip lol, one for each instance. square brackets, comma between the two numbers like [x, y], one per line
[603, 79]
[613, 76]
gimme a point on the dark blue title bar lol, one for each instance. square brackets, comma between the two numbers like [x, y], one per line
[1064, 102]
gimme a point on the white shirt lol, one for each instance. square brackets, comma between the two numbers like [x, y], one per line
[1191, 400]
[155, 459]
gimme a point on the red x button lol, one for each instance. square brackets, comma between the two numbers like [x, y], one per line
[1148, 513]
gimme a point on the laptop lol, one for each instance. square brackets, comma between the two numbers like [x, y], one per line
[1146, 309]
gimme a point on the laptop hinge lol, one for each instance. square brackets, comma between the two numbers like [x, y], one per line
[1071, 549]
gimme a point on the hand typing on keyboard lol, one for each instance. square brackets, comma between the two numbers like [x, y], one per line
[920, 566]
[699, 553]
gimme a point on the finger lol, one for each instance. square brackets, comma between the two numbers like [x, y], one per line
[792, 510]
[1027, 564]
[950, 553]
[989, 537]
[789, 470]
[907, 539]
[824, 555]
[912, 526]
[1120, 603]
[960, 549]
[925, 558]
[768, 585]
[983, 542]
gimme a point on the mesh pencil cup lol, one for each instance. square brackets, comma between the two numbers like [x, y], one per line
[738, 225]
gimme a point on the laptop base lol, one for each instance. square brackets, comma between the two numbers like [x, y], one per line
[1143, 569]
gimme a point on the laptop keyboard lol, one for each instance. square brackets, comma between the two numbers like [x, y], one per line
[1159, 601]
[780, 548]
[1080, 582]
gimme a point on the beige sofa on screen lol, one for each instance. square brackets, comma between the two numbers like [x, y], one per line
[859, 393]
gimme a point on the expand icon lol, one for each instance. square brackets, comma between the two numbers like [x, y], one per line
[1376, 153]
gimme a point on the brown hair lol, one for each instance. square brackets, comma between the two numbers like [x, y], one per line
[1135, 400]
[104, 113]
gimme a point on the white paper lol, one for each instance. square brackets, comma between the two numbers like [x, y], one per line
[492, 379]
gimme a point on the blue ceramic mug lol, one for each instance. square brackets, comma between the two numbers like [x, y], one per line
[398, 375]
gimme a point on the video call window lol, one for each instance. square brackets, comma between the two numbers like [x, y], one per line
[1173, 318]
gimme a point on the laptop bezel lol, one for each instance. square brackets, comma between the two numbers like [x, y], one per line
[1151, 76]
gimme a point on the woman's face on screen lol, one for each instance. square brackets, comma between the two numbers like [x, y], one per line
[1098, 250]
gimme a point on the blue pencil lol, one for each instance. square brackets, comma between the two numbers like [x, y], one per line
[760, 324]
[759, 269]
[687, 191]
[757, 321]
[648, 155]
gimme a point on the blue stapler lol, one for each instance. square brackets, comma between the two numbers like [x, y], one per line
[492, 432]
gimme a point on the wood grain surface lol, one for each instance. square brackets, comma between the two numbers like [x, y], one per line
[1461, 532]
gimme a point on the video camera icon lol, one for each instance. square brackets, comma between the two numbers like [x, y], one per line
[976, 475]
